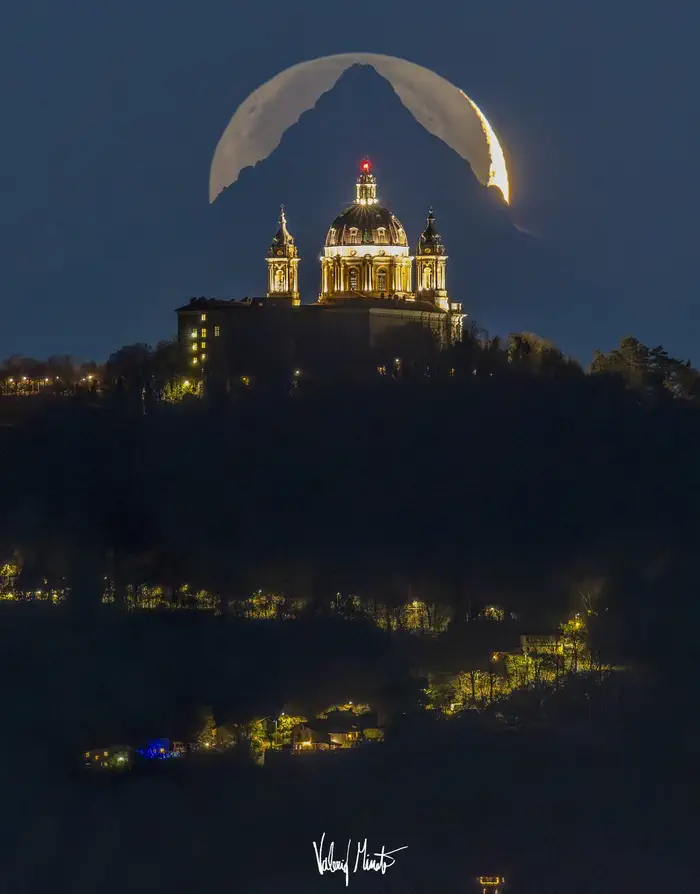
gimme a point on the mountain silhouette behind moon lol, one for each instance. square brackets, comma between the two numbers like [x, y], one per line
[506, 280]
[131, 248]
[259, 123]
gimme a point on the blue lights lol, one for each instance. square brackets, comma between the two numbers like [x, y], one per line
[161, 749]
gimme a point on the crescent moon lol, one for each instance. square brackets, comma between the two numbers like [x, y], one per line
[259, 123]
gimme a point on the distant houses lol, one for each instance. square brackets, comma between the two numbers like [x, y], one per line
[123, 757]
[542, 658]
[340, 729]
[541, 643]
[115, 757]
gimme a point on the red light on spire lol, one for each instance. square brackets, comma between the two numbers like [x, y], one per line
[366, 166]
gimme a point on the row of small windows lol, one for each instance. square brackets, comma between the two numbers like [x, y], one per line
[354, 236]
[202, 345]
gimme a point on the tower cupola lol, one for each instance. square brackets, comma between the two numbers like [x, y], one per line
[431, 263]
[282, 264]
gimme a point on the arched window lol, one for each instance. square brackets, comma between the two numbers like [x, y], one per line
[279, 280]
[427, 278]
[354, 236]
[331, 237]
[381, 236]
[381, 279]
[353, 279]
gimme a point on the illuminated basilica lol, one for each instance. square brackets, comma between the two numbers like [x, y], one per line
[373, 292]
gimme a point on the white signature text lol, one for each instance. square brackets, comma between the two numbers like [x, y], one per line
[341, 861]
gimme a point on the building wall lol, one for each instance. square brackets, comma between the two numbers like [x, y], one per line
[269, 339]
[413, 328]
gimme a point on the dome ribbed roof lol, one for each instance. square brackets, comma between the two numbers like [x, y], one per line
[366, 222]
[361, 225]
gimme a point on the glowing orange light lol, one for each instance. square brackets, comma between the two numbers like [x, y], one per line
[366, 166]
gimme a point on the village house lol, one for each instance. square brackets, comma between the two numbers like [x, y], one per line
[540, 643]
[116, 757]
[342, 729]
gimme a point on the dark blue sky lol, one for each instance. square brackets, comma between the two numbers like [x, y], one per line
[112, 111]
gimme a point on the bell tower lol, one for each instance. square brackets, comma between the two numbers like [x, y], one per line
[431, 263]
[282, 263]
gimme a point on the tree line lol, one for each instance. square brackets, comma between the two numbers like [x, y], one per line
[513, 480]
[159, 372]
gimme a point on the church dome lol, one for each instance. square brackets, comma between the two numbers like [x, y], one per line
[365, 222]
[366, 225]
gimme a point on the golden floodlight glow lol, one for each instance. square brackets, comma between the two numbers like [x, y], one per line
[498, 173]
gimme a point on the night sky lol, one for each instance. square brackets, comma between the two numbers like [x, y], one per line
[112, 111]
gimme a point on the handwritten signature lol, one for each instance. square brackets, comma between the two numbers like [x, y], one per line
[364, 862]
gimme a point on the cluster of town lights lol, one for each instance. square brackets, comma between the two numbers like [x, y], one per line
[47, 380]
